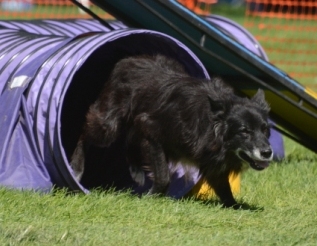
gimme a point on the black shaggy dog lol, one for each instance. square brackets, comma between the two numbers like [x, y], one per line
[169, 116]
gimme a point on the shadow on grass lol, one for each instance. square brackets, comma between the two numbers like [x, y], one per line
[239, 206]
[127, 192]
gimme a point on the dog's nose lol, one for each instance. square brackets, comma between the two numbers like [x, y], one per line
[266, 153]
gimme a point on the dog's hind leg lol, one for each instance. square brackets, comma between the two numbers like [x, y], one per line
[159, 167]
[151, 152]
[136, 159]
[146, 156]
[78, 159]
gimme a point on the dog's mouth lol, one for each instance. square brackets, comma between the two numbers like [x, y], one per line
[255, 164]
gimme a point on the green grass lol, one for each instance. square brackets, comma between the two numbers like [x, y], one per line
[282, 201]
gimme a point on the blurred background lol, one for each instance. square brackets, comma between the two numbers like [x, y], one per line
[286, 29]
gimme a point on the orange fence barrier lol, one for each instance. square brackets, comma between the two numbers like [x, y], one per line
[48, 9]
[202, 7]
[65, 9]
[287, 30]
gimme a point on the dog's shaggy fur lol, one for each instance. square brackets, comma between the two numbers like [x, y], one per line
[169, 116]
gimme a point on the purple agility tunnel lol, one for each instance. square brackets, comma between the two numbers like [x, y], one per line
[237, 33]
[67, 28]
[50, 72]
[47, 85]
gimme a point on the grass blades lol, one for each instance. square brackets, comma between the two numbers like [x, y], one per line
[282, 201]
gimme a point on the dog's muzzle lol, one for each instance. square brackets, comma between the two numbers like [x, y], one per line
[258, 159]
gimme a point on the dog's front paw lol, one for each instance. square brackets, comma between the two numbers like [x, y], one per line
[233, 205]
[242, 206]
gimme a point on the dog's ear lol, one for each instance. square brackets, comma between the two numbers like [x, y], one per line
[216, 106]
[259, 99]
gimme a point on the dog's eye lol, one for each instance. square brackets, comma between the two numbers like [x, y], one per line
[265, 129]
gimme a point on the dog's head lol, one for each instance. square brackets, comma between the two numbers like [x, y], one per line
[247, 130]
